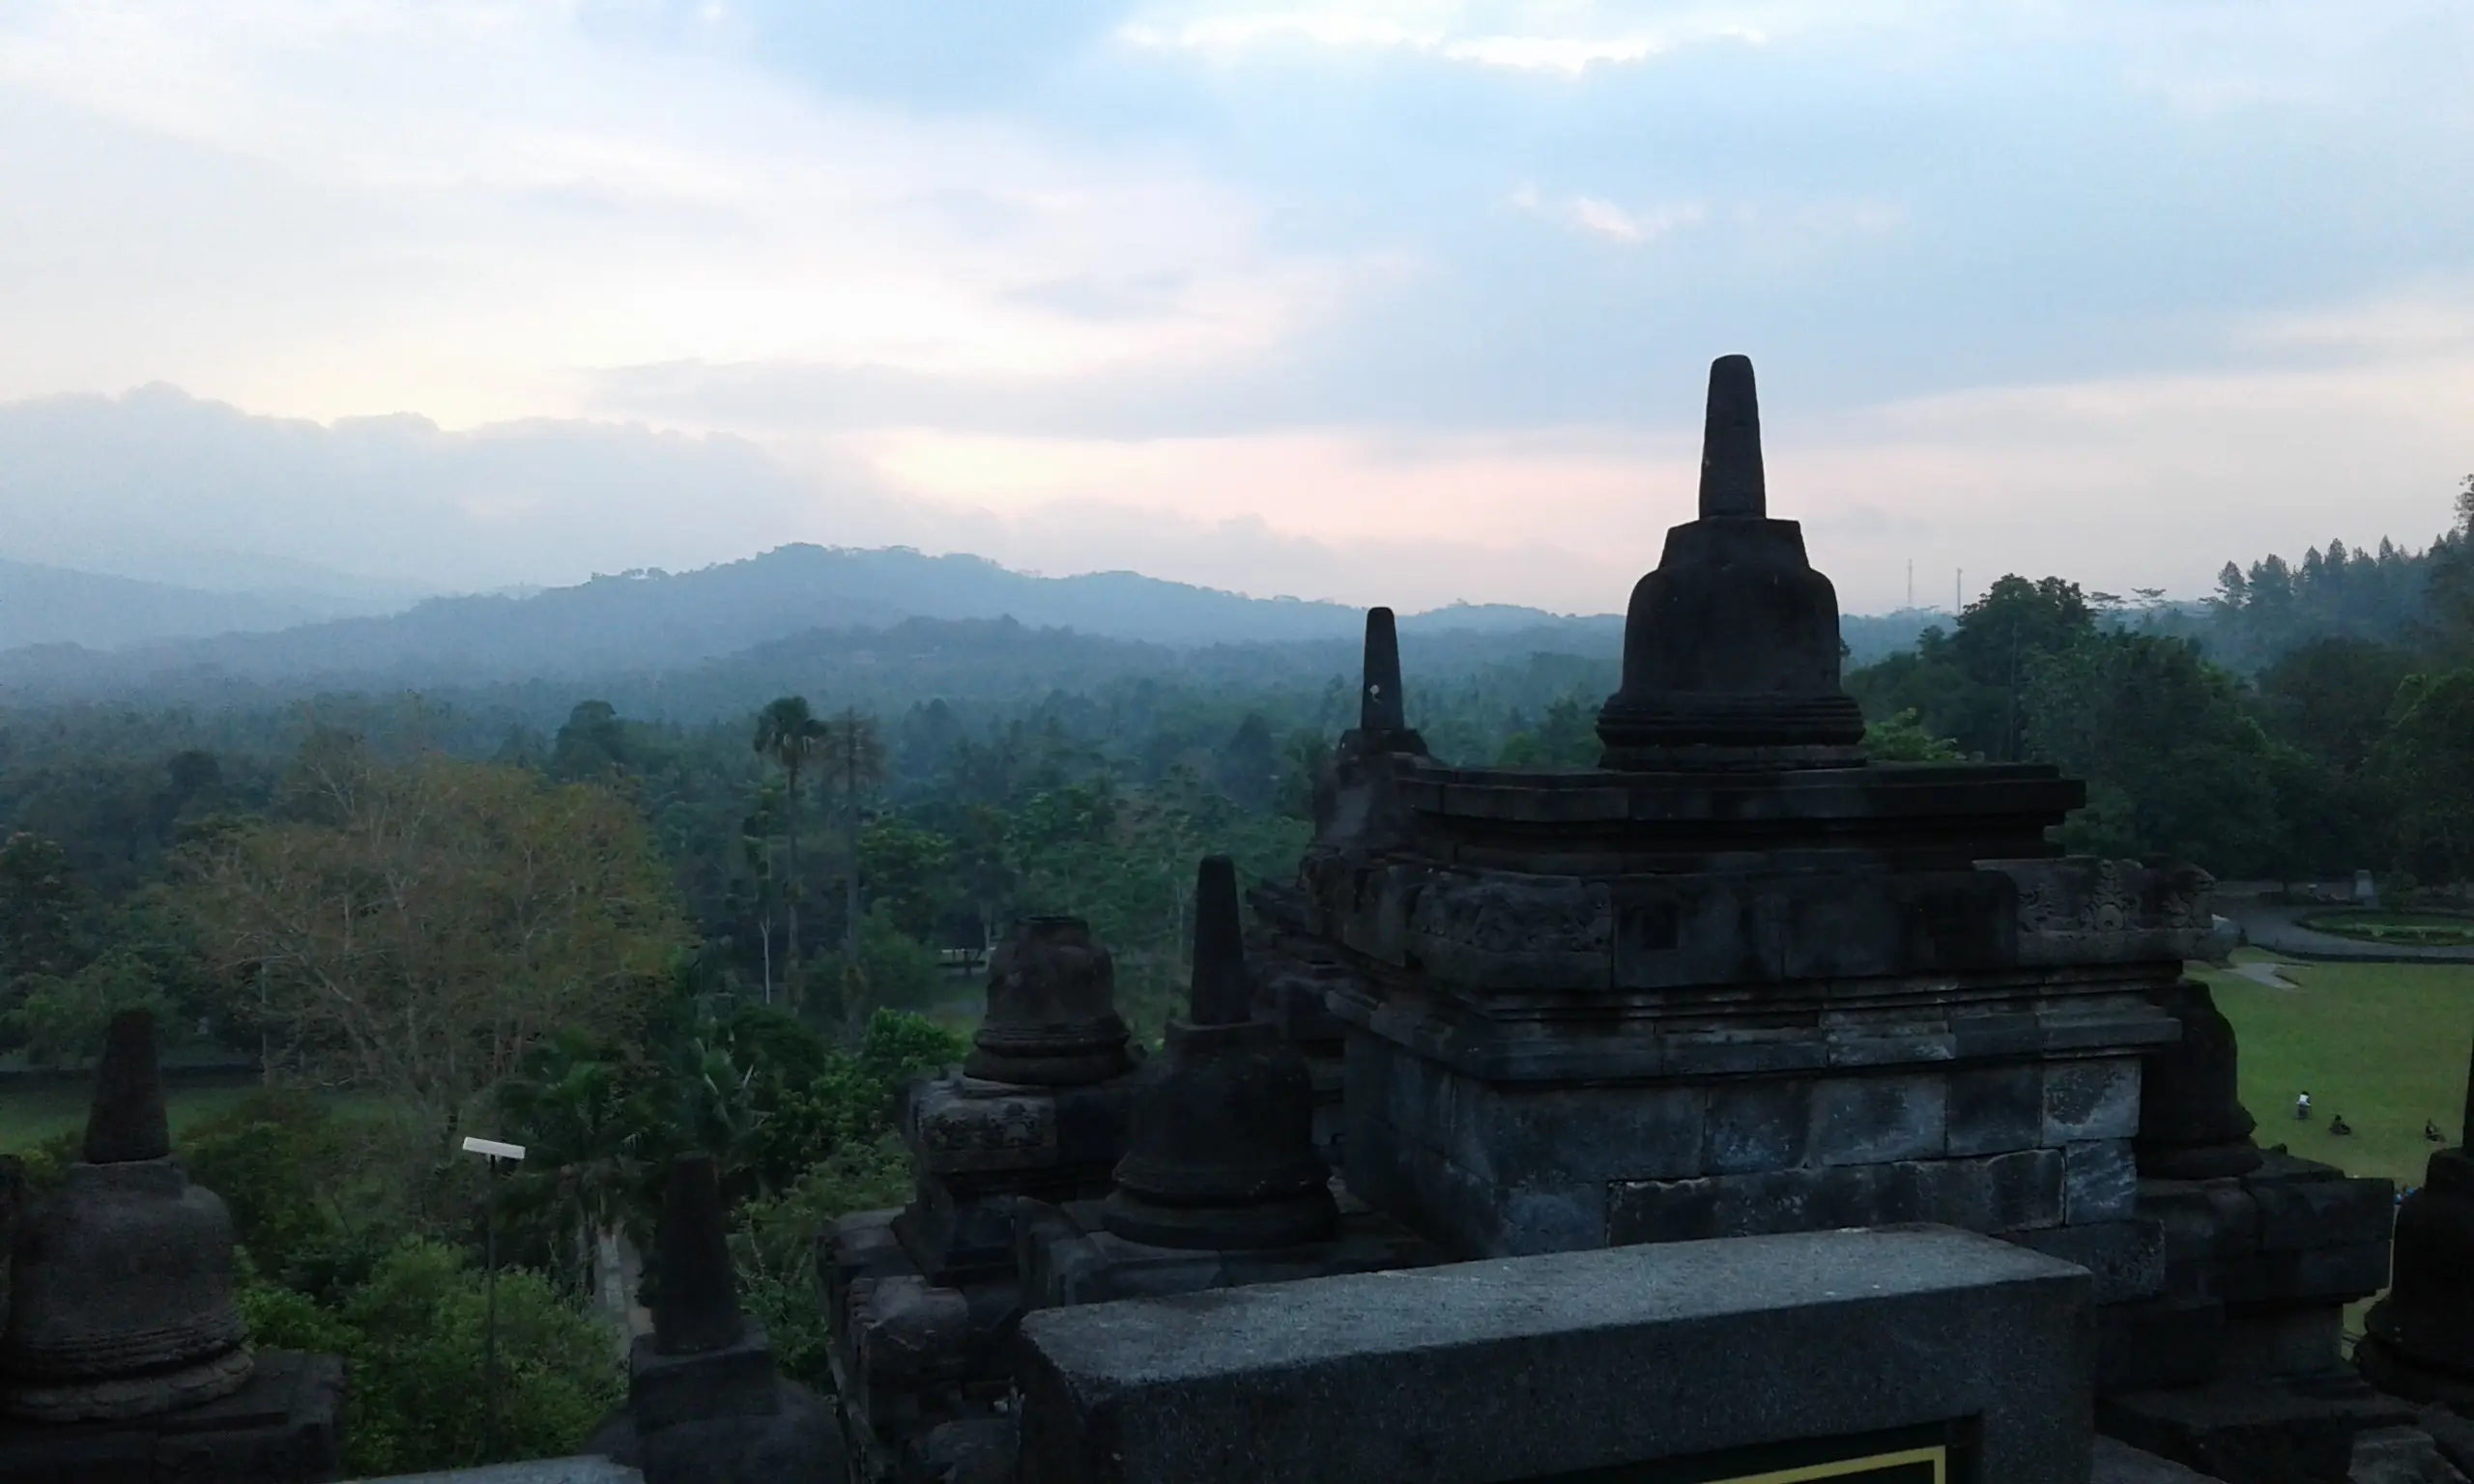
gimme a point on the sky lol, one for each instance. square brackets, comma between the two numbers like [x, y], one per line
[1403, 303]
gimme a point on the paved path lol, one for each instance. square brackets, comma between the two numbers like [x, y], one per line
[2276, 928]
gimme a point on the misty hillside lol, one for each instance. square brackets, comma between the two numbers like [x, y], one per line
[654, 622]
[40, 605]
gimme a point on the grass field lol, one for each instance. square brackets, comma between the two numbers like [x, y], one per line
[2383, 1044]
[33, 1112]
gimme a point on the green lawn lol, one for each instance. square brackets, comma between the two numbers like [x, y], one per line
[2383, 1044]
[30, 1114]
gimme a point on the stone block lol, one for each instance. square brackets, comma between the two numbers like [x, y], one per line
[907, 1332]
[1878, 1120]
[2340, 1274]
[2125, 1258]
[961, 1126]
[1530, 1367]
[1999, 1193]
[2118, 1463]
[2280, 1342]
[2299, 1214]
[2167, 1341]
[1091, 1120]
[284, 1427]
[1993, 1111]
[2028, 1189]
[1083, 1264]
[2100, 1182]
[2250, 1432]
[2400, 1455]
[2090, 1100]
[1754, 1127]
[736, 1381]
[1580, 1135]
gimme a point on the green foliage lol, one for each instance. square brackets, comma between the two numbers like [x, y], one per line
[276, 1157]
[1567, 738]
[1969, 685]
[906, 871]
[773, 1243]
[61, 1020]
[1902, 739]
[413, 1334]
[2426, 764]
[2183, 768]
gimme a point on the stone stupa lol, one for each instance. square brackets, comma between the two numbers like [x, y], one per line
[123, 1340]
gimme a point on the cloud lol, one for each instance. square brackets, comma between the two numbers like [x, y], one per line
[2064, 286]
[1547, 42]
[159, 485]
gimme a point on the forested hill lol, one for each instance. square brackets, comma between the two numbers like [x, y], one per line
[40, 605]
[984, 661]
[653, 621]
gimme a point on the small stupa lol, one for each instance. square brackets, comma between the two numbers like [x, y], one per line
[120, 1293]
[706, 1404]
[123, 1340]
[1221, 1154]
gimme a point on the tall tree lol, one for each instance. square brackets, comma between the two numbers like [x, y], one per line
[853, 756]
[416, 928]
[788, 735]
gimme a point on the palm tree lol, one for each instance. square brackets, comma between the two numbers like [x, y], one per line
[788, 735]
[854, 758]
[587, 1124]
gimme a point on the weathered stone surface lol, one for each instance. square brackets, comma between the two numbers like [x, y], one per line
[1078, 1261]
[978, 1451]
[1993, 1110]
[734, 1380]
[2252, 1432]
[2101, 1183]
[1994, 1193]
[2192, 1125]
[1730, 647]
[695, 1300]
[2126, 1259]
[1403, 1375]
[1755, 1127]
[2118, 1463]
[1220, 1151]
[2419, 1339]
[909, 1332]
[284, 1426]
[121, 1303]
[127, 1122]
[794, 1439]
[2090, 1100]
[2400, 1455]
[1051, 1016]
[1879, 1120]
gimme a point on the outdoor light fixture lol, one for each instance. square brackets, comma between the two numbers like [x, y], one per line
[496, 1153]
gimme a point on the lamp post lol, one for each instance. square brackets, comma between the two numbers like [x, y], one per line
[495, 1154]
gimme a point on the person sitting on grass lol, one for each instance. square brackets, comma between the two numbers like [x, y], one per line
[2337, 1125]
[2432, 1133]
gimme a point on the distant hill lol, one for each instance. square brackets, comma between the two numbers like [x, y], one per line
[40, 605]
[656, 622]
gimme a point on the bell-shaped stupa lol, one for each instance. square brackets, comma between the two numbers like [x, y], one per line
[1220, 1148]
[120, 1291]
[1730, 647]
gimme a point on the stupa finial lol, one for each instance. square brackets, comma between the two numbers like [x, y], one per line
[1731, 476]
[1381, 707]
[696, 1308]
[126, 1123]
[1221, 994]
